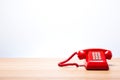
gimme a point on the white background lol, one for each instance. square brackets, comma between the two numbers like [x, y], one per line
[57, 28]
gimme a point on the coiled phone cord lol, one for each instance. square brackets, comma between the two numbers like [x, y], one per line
[63, 63]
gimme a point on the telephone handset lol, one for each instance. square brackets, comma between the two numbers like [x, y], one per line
[95, 59]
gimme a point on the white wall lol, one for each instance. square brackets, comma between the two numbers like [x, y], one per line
[57, 28]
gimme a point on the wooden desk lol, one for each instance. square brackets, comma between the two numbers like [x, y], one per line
[47, 69]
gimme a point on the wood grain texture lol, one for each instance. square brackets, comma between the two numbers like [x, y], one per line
[47, 69]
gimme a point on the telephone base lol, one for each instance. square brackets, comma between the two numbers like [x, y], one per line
[96, 65]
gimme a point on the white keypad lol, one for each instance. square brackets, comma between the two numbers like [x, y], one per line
[96, 55]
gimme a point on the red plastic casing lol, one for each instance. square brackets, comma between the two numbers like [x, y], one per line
[95, 58]
[99, 63]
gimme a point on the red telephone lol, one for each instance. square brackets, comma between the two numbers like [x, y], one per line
[95, 59]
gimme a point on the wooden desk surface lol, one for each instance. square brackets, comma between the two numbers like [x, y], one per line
[47, 69]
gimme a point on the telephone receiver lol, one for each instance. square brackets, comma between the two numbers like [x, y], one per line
[95, 59]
